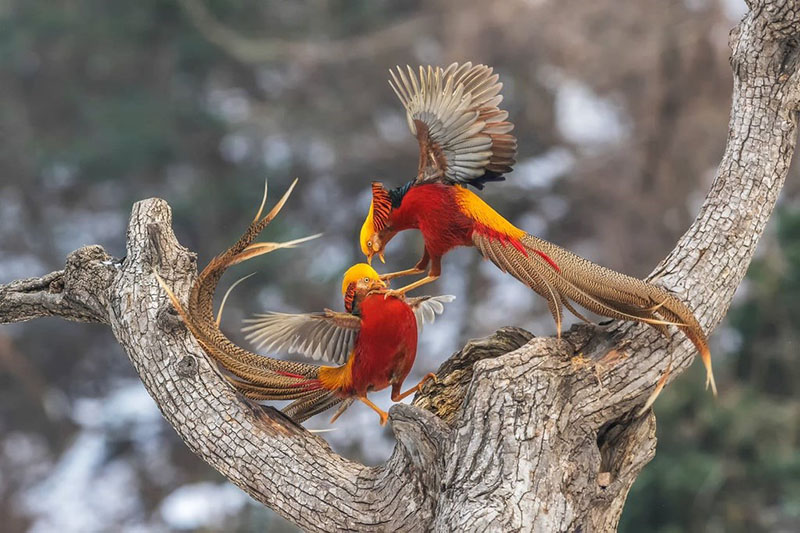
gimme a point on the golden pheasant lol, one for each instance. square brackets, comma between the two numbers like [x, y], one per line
[374, 343]
[464, 139]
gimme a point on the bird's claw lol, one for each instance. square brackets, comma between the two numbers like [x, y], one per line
[393, 292]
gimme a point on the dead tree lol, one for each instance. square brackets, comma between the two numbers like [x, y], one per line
[521, 433]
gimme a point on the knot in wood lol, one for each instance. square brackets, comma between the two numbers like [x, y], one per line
[168, 318]
[56, 286]
[187, 366]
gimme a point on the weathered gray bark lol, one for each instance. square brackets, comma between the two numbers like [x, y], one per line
[520, 434]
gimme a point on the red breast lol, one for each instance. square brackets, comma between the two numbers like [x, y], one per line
[386, 345]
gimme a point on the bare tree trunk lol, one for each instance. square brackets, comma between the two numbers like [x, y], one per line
[520, 434]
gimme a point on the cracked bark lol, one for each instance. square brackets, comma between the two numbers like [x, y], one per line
[520, 434]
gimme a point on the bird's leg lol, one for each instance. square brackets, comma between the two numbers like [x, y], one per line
[433, 275]
[416, 388]
[419, 268]
[383, 414]
[419, 283]
[401, 273]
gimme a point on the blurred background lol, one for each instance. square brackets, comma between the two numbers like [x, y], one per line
[621, 110]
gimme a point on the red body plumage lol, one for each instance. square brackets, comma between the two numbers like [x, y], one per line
[440, 213]
[433, 210]
[385, 347]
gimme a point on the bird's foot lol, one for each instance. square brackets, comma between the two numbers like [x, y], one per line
[397, 293]
[429, 375]
[383, 414]
[415, 388]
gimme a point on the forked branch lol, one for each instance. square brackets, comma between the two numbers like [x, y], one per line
[519, 433]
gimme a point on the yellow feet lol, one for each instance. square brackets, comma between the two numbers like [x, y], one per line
[419, 283]
[393, 292]
[383, 414]
[415, 388]
[401, 273]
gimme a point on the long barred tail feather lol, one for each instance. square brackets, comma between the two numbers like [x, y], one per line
[289, 389]
[257, 377]
[310, 398]
[314, 403]
[562, 277]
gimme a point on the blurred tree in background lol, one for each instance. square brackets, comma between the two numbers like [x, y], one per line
[734, 465]
[621, 111]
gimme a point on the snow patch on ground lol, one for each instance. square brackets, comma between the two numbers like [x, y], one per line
[202, 505]
[276, 151]
[88, 487]
[127, 405]
[734, 9]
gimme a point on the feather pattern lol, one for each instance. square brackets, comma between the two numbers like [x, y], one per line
[305, 407]
[562, 277]
[381, 206]
[463, 136]
[327, 336]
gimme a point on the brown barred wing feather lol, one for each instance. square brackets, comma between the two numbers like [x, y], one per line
[463, 136]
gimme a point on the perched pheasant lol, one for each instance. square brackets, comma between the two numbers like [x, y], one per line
[374, 343]
[464, 139]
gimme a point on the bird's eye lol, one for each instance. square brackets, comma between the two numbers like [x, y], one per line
[369, 245]
[366, 279]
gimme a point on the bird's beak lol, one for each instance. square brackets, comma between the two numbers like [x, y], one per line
[369, 257]
[377, 284]
[383, 259]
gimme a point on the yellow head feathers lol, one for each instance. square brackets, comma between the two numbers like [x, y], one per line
[367, 230]
[376, 221]
[360, 272]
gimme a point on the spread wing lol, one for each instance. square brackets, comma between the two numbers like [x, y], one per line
[327, 336]
[427, 307]
[463, 135]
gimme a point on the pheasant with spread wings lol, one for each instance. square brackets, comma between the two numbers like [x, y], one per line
[464, 139]
[373, 344]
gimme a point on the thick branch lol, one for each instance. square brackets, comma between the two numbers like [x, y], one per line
[535, 437]
[266, 454]
[71, 293]
[544, 442]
